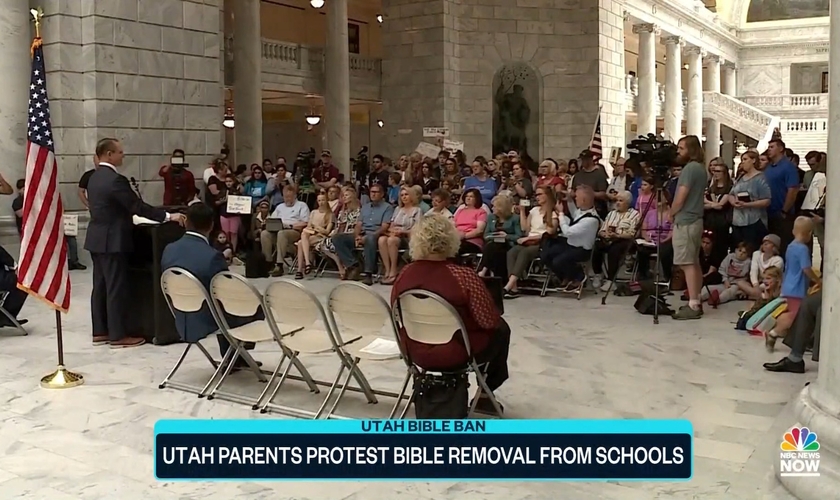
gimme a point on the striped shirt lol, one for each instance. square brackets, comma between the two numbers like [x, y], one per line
[624, 223]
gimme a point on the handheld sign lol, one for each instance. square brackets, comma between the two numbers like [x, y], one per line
[238, 204]
[71, 225]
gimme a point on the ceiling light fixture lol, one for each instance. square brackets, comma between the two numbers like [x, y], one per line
[313, 119]
[380, 123]
[228, 121]
[316, 3]
[379, 18]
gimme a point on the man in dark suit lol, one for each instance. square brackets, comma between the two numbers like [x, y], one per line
[109, 240]
[194, 253]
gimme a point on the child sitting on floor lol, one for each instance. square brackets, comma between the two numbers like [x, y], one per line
[764, 258]
[797, 277]
[771, 288]
[223, 245]
[735, 267]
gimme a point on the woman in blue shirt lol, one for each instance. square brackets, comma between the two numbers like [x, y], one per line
[256, 186]
[481, 181]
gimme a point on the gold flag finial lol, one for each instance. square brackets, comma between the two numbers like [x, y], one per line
[37, 15]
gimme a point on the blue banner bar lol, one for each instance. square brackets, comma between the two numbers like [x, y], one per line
[487, 450]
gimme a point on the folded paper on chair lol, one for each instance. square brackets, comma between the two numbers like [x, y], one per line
[382, 347]
[473, 450]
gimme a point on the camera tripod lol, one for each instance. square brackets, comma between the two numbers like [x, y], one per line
[656, 199]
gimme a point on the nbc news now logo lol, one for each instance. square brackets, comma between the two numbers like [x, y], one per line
[800, 455]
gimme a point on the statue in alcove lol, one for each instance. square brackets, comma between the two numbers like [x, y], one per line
[512, 113]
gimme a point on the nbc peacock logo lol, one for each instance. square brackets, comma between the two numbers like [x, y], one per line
[800, 453]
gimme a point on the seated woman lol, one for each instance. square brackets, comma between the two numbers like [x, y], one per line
[616, 237]
[434, 242]
[535, 223]
[8, 283]
[258, 223]
[656, 230]
[405, 217]
[548, 176]
[500, 234]
[430, 183]
[321, 223]
[470, 220]
[440, 204]
[765, 257]
[345, 223]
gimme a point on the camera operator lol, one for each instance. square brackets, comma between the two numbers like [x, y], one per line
[687, 214]
[178, 182]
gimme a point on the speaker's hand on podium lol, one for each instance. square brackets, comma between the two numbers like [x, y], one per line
[179, 218]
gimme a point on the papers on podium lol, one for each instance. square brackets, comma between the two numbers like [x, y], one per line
[142, 221]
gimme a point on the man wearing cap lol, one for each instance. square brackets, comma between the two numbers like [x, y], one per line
[592, 175]
[325, 174]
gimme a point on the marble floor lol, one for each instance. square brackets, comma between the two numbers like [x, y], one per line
[569, 359]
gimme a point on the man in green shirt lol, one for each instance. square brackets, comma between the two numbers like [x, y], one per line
[687, 214]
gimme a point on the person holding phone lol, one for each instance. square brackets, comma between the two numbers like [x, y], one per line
[749, 197]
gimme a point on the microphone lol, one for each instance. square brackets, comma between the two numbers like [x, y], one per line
[136, 187]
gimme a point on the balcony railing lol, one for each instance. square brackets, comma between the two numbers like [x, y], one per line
[795, 102]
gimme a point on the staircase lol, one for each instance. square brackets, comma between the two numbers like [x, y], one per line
[805, 135]
[740, 116]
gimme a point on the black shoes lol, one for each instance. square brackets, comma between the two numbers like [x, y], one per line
[786, 365]
[77, 266]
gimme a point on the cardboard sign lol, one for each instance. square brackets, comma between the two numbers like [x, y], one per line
[428, 150]
[71, 225]
[238, 204]
[615, 153]
[453, 146]
[435, 131]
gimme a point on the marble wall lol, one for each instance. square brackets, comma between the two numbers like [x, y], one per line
[441, 56]
[764, 78]
[807, 78]
[147, 72]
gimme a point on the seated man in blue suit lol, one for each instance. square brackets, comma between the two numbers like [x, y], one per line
[194, 253]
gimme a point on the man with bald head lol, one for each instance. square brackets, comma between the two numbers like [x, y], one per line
[579, 224]
[109, 240]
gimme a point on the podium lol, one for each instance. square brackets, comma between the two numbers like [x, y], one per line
[150, 316]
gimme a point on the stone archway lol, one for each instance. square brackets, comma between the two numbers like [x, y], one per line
[517, 109]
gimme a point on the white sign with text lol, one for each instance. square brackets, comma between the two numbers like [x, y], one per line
[238, 204]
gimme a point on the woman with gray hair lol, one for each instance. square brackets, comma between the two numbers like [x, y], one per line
[433, 245]
[615, 238]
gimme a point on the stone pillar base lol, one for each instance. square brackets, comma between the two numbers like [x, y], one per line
[819, 411]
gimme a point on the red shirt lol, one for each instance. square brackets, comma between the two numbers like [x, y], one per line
[465, 291]
[178, 190]
[325, 173]
[551, 181]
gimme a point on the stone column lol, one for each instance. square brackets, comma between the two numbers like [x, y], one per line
[730, 84]
[673, 88]
[694, 109]
[818, 405]
[247, 81]
[337, 73]
[647, 78]
[14, 80]
[713, 126]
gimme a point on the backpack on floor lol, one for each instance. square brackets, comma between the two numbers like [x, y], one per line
[762, 313]
[441, 396]
[255, 265]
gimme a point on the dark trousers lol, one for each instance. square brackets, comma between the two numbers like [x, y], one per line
[468, 247]
[752, 235]
[15, 298]
[783, 228]
[614, 251]
[495, 258]
[110, 300]
[806, 326]
[496, 356]
[563, 259]
[666, 259]
[72, 250]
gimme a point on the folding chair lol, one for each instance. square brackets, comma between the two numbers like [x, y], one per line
[184, 293]
[472, 259]
[20, 331]
[232, 294]
[302, 314]
[585, 267]
[429, 319]
[365, 315]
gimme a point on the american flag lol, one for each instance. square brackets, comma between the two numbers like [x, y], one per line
[595, 144]
[43, 270]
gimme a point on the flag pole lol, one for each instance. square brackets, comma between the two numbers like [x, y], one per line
[61, 378]
[595, 126]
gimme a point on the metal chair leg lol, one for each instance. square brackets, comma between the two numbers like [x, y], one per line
[341, 392]
[264, 408]
[400, 395]
[21, 331]
[256, 405]
[482, 384]
[175, 368]
[330, 392]
[207, 354]
[225, 359]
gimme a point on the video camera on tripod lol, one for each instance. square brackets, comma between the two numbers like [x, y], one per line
[659, 154]
[361, 166]
[303, 166]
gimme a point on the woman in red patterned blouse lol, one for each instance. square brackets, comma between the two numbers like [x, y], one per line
[433, 244]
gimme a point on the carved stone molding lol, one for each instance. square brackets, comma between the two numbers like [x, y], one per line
[645, 28]
[673, 40]
[712, 59]
[693, 49]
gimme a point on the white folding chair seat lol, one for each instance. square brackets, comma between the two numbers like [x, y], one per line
[184, 293]
[429, 319]
[257, 331]
[287, 302]
[358, 312]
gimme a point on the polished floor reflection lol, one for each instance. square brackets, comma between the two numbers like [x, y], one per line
[569, 359]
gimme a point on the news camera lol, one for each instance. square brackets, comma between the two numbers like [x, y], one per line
[361, 165]
[659, 154]
[304, 164]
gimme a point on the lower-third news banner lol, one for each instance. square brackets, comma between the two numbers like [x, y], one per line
[522, 450]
